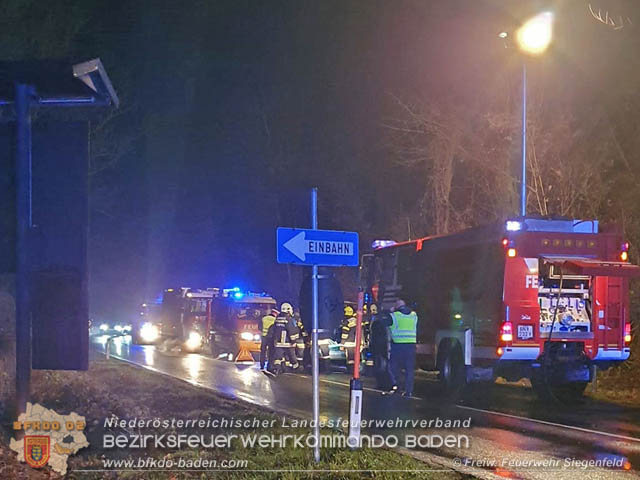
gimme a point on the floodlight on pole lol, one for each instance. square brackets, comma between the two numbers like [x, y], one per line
[534, 36]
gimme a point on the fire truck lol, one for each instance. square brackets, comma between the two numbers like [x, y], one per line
[224, 321]
[181, 313]
[546, 299]
[234, 332]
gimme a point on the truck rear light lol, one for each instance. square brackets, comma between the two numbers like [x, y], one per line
[624, 251]
[505, 242]
[499, 351]
[506, 332]
[511, 252]
[627, 333]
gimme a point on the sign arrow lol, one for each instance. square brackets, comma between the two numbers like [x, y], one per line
[301, 247]
[298, 246]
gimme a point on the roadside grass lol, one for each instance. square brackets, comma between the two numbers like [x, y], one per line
[114, 388]
[619, 384]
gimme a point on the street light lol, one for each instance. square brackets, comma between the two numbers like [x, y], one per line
[533, 37]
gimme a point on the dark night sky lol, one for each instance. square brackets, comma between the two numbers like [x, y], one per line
[243, 105]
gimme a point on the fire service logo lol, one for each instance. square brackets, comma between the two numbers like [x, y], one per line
[49, 438]
[36, 450]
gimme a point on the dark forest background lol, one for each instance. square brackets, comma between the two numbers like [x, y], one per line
[405, 114]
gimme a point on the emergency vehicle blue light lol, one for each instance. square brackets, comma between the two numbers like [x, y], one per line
[513, 226]
[382, 244]
[238, 295]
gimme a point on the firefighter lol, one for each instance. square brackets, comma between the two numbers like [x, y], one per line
[367, 319]
[403, 325]
[348, 334]
[379, 347]
[264, 324]
[285, 335]
[303, 344]
[294, 331]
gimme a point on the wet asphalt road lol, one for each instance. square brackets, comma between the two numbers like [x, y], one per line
[510, 430]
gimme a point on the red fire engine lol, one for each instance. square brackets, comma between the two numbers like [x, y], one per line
[537, 298]
[224, 321]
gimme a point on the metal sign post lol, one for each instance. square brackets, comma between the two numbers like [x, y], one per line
[313, 247]
[355, 400]
[314, 335]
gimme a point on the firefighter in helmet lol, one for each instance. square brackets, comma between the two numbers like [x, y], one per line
[265, 340]
[285, 336]
[370, 313]
[348, 334]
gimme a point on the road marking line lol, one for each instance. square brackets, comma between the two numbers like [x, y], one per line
[544, 422]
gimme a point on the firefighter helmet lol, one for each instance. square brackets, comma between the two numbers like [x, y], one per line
[286, 308]
[348, 311]
[373, 309]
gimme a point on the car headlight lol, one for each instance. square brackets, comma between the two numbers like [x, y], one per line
[118, 328]
[149, 332]
[104, 327]
[248, 336]
[194, 341]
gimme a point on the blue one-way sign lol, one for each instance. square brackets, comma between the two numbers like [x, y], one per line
[317, 247]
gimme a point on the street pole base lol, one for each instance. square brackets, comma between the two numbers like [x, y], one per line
[355, 413]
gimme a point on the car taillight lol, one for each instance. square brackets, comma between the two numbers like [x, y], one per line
[506, 332]
[511, 252]
[627, 333]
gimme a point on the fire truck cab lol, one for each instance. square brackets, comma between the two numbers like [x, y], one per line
[234, 332]
[529, 297]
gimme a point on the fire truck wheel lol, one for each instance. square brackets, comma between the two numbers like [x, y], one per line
[573, 392]
[565, 393]
[452, 372]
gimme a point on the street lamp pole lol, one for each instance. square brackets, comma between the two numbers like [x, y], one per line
[523, 181]
[533, 38]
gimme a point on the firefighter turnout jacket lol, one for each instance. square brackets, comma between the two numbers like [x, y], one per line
[285, 331]
[285, 336]
[348, 332]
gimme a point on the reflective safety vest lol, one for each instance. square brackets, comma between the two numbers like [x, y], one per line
[267, 321]
[404, 327]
